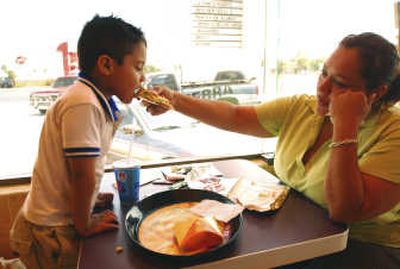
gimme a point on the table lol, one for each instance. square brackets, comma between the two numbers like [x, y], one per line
[298, 231]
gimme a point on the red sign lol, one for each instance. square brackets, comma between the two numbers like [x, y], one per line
[70, 59]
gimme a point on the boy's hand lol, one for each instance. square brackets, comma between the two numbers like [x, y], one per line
[104, 200]
[102, 222]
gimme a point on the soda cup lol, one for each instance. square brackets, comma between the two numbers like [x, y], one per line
[127, 174]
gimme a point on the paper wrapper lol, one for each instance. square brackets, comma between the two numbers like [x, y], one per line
[207, 177]
[198, 234]
[259, 195]
[219, 211]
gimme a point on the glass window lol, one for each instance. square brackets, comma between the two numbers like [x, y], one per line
[64, 81]
[240, 51]
[173, 135]
[300, 35]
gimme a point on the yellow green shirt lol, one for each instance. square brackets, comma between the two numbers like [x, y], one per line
[296, 123]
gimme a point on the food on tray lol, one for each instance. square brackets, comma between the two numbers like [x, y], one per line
[259, 195]
[154, 98]
[198, 234]
[176, 230]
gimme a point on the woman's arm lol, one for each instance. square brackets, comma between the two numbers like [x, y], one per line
[352, 195]
[224, 115]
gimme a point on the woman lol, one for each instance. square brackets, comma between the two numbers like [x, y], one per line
[340, 148]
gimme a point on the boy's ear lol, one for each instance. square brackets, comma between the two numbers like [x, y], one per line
[105, 64]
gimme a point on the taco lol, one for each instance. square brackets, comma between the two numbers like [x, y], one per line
[154, 98]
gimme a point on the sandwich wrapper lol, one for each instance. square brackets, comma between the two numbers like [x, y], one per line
[259, 195]
[198, 234]
[204, 230]
[219, 211]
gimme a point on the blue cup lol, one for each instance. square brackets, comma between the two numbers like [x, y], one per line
[127, 175]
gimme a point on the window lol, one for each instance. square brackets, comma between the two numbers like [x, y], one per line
[241, 51]
[64, 81]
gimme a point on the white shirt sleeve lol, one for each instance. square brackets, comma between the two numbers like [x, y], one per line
[81, 131]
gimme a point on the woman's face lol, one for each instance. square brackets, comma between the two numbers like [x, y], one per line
[341, 72]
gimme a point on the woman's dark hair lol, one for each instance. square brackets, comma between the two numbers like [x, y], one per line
[379, 61]
[106, 35]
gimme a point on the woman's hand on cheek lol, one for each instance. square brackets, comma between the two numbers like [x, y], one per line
[348, 107]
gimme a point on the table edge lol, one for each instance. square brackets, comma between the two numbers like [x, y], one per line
[282, 255]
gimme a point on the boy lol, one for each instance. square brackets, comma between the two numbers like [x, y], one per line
[75, 138]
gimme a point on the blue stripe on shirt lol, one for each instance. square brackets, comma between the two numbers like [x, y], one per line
[82, 156]
[82, 150]
[114, 108]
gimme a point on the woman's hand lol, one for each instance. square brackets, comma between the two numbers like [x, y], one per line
[164, 92]
[349, 108]
[102, 222]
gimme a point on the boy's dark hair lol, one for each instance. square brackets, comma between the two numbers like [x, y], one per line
[106, 35]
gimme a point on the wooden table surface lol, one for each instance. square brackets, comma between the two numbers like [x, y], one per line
[298, 231]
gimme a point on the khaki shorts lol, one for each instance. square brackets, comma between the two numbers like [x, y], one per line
[44, 246]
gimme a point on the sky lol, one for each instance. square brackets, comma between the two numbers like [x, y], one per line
[314, 27]
[34, 28]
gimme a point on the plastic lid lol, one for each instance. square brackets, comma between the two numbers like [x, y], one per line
[125, 163]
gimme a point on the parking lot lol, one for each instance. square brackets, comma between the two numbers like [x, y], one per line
[19, 133]
[22, 125]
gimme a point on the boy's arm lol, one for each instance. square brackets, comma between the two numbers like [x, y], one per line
[83, 181]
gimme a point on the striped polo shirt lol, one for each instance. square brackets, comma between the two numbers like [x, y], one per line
[81, 123]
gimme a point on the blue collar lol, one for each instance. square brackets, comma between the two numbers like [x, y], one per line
[108, 105]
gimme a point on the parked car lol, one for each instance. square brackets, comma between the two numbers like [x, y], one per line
[6, 82]
[228, 85]
[42, 99]
[173, 135]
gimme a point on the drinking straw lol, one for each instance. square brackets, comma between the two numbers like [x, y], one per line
[130, 149]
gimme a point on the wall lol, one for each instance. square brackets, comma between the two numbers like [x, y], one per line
[11, 199]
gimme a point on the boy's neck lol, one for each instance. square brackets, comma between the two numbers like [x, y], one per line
[98, 82]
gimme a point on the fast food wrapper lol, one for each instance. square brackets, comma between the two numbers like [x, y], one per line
[219, 211]
[198, 234]
[259, 195]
